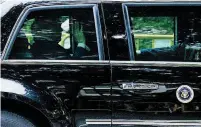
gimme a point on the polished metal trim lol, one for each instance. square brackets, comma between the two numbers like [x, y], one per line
[143, 122]
[113, 63]
[54, 62]
[98, 32]
[155, 63]
[128, 33]
[139, 86]
[32, 8]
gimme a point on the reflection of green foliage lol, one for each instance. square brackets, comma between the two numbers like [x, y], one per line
[151, 25]
[158, 23]
[143, 44]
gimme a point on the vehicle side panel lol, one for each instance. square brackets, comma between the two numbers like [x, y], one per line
[65, 82]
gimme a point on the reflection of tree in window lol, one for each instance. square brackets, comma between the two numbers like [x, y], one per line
[153, 25]
[150, 32]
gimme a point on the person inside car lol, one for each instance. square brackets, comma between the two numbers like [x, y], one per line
[173, 53]
[81, 48]
[178, 52]
[45, 42]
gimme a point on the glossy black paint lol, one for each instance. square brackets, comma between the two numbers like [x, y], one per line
[154, 104]
[58, 87]
[116, 36]
[168, 77]
[138, 104]
[64, 91]
[7, 23]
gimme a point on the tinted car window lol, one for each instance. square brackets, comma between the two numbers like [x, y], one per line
[57, 34]
[166, 33]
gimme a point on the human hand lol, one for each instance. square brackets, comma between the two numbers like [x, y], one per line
[78, 34]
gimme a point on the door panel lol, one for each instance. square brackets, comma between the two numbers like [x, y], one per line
[59, 49]
[150, 90]
[158, 99]
[68, 82]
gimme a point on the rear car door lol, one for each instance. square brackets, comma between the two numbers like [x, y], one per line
[160, 84]
[59, 49]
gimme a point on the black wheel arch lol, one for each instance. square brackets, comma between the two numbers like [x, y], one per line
[27, 100]
[22, 108]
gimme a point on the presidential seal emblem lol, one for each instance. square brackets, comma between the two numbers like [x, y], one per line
[185, 94]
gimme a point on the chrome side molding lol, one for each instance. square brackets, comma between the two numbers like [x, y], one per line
[144, 122]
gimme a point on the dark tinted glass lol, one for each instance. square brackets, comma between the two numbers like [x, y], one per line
[57, 34]
[166, 33]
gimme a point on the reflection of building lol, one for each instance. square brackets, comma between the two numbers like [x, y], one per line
[157, 41]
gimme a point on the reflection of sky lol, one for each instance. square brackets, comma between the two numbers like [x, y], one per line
[12, 87]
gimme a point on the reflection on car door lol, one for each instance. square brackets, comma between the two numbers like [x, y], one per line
[149, 93]
[81, 86]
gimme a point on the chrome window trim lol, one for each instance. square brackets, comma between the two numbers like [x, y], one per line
[155, 63]
[98, 32]
[32, 8]
[128, 30]
[138, 4]
[103, 62]
[143, 122]
[55, 62]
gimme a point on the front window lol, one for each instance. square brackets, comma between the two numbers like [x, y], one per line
[57, 34]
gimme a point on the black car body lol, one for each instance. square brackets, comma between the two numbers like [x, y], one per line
[111, 86]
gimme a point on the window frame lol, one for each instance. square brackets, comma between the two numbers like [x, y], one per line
[31, 8]
[128, 27]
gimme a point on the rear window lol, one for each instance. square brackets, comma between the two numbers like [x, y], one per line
[162, 33]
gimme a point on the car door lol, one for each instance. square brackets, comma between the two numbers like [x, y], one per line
[160, 84]
[59, 49]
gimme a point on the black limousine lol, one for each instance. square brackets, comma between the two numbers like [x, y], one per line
[99, 63]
